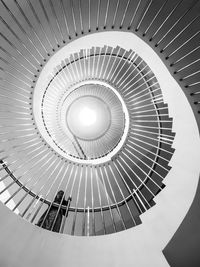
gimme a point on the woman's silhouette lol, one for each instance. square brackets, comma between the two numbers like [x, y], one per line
[51, 219]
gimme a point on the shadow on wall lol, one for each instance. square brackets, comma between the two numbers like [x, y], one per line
[183, 248]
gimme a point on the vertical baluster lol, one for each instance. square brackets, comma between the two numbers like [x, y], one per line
[77, 200]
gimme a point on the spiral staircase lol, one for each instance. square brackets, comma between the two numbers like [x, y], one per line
[84, 110]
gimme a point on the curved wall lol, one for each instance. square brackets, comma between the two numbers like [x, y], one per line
[183, 248]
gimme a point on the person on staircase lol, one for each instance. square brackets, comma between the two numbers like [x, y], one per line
[51, 219]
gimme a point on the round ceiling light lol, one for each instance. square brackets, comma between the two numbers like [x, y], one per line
[88, 118]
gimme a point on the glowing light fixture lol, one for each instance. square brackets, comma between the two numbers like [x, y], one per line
[88, 117]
